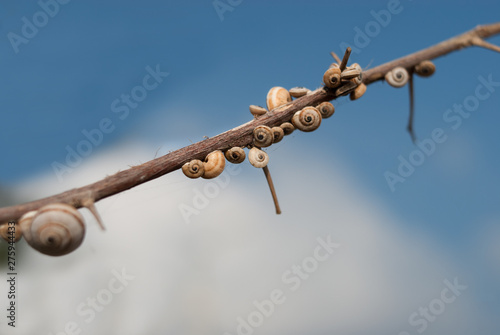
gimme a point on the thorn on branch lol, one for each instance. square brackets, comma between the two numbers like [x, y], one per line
[479, 42]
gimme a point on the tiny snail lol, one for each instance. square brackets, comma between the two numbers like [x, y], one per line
[425, 68]
[214, 164]
[298, 92]
[277, 96]
[193, 169]
[287, 127]
[235, 155]
[278, 134]
[326, 109]
[258, 158]
[351, 72]
[307, 119]
[257, 110]
[331, 78]
[55, 229]
[397, 77]
[358, 92]
[11, 233]
[263, 136]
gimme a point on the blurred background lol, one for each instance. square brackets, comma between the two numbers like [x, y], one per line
[186, 256]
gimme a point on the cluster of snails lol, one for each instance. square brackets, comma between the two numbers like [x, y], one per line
[347, 80]
[399, 76]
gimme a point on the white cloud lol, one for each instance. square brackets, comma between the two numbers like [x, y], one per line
[200, 277]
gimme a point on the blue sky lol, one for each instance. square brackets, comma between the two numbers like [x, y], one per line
[64, 81]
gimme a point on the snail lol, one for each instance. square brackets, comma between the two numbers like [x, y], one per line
[235, 155]
[277, 96]
[298, 92]
[287, 127]
[397, 77]
[331, 78]
[351, 72]
[358, 92]
[278, 134]
[326, 109]
[258, 158]
[193, 169]
[257, 110]
[214, 164]
[425, 68]
[307, 119]
[346, 88]
[263, 136]
[11, 233]
[55, 229]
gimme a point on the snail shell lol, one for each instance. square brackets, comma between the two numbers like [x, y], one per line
[55, 229]
[326, 109]
[352, 71]
[346, 88]
[298, 92]
[214, 164]
[307, 119]
[358, 92]
[235, 155]
[331, 78]
[193, 169]
[287, 127]
[425, 68]
[7, 233]
[257, 110]
[258, 158]
[397, 77]
[277, 96]
[278, 134]
[263, 136]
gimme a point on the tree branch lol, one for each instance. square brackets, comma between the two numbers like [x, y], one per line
[242, 135]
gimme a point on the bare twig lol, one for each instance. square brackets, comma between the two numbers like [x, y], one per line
[242, 135]
[412, 108]
[271, 187]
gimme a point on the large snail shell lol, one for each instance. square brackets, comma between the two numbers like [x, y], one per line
[287, 127]
[258, 158]
[298, 92]
[331, 78]
[263, 136]
[235, 155]
[55, 230]
[193, 169]
[326, 109]
[7, 232]
[307, 119]
[425, 68]
[278, 134]
[277, 96]
[358, 92]
[214, 164]
[397, 77]
[257, 110]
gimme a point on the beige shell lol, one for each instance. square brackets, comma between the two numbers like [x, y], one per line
[263, 136]
[235, 155]
[11, 233]
[287, 127]
[278, 134]
[307, 119]
[257, 110]
[55, 230]
[214, 164]
[397, 77]
[352, 71]
[277, 96]
[331, 78]
[425, 68]
[326, 109]
[358, 92]
[258, 158]
[193, 169]
[25, 223]
[298, 92]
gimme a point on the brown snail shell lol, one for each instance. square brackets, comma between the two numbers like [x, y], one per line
[278, 134]
[307, 119]
[331, 78]
[235, 155]
[326, 109]
[257, 110]
[397, 77]
[193, 169]
[214, 164]
[358, 92]
[11, 233]
[258, 158]
[263, 136]
[287, 127]
[298, 92]
[425, 68]
[277, 96]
